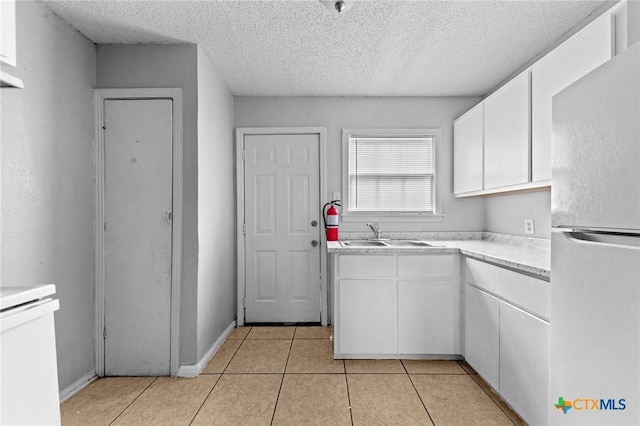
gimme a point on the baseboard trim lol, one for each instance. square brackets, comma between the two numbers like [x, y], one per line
[193, 370]
[78, 385]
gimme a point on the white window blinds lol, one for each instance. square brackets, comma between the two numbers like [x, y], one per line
[390, 174]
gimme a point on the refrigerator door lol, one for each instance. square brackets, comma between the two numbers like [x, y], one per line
[596, 148]
[594, 329]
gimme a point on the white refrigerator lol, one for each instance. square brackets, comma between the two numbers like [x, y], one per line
[28, 369]
[594, 376]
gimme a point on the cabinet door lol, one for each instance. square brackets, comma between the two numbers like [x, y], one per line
[468, 134]
[367, 316]
[482, 334]
[506, 134]
[524, 363]
[425, 317]
[572, 60]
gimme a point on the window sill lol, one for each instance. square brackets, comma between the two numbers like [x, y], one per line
[391, 217]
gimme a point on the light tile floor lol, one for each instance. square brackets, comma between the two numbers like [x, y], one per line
[287, 376]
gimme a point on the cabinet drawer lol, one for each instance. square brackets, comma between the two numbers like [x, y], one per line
[483, 275]
[421, 266]
[531, 294]
[366, 266]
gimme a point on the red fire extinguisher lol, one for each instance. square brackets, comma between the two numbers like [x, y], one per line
[331, 219]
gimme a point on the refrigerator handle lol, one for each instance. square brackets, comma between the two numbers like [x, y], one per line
[608, 239]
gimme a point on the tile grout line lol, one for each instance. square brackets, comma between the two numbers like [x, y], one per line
[275, 407]
[346, 379]
[205, 399]
[493, 400]
[418, 393]
[486, 392]
[219, 376]
[134, 400]
[290, 374]
[235, 352]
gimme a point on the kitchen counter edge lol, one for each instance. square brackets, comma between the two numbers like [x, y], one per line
[533, 261]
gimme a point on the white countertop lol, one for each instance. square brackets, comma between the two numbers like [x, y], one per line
[528, 255]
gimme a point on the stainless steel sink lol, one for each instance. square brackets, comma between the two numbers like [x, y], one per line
[410, 243]
[363, 243]
[386, 243]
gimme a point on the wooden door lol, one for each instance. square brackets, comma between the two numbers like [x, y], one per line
[282, 224]
[138, 229]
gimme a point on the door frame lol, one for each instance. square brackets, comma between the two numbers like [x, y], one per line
[241, 132]
[100, 96]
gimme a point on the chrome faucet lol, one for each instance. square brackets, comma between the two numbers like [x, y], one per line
[376, 230]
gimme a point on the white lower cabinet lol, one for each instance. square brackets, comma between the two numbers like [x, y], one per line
[367, 315]
[425, 317]
[508, 345]
[482, 334]
[524, 363]
[386, 306]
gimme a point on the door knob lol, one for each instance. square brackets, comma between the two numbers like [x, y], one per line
[314, 243]
[314, 223]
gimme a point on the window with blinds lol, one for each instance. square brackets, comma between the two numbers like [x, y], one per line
[390, 174]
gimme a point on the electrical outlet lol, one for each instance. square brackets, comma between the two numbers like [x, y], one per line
[529, 228]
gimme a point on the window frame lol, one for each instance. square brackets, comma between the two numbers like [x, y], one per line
[396, 216]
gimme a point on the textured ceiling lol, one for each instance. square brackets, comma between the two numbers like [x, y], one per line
[377, 48]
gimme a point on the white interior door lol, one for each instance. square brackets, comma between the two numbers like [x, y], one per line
[282, 224]
[138, 202]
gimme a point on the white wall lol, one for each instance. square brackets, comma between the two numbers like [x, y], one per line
[373, 113]
[134, 66]
[47, 195]
[216, 204]
[505, 213]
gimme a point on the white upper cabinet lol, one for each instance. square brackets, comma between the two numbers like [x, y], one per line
[468, 132]
[8, 30]
[506, 134]
[572, 60]
[504, 143]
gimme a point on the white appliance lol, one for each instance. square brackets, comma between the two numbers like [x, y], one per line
[594, 376]
[28, 368]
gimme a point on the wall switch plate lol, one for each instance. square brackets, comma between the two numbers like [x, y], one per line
[529, 228]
